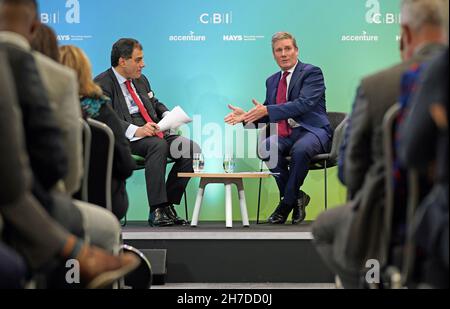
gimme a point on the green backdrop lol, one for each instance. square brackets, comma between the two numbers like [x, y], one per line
[203, 55]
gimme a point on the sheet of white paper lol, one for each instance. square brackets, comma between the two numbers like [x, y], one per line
[174, 119]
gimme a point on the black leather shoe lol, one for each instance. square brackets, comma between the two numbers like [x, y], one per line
[159, 218]
[172, 214]
[280, 214]
[299, 213]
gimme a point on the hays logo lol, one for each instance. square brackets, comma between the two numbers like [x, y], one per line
[216, 18]
[63, 37]
[240, 38]
[71, 14]
[233, 38]
[375, 16]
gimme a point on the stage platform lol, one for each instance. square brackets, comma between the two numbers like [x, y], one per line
[211, 253]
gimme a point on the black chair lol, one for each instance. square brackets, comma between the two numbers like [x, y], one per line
[397, 276]
[100, 164]
[140, 164]
[82, 194]
[338, 122]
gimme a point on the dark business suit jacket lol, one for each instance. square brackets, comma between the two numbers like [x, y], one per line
[43, 139]
[306, 101]
[418, 133]
[111, 88]
[27, 225]
[423, 143]
[15, 178]
[364, 160]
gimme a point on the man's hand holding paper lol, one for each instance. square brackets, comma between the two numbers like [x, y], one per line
[174, 119]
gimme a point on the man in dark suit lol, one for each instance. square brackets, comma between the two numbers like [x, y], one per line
[295, 101]
[140, 111]
[347, 237]
[424, 146]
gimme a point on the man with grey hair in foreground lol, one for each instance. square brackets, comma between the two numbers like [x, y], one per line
[347, 237]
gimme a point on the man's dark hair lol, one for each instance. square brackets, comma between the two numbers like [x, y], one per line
[15, 3]
[123, 48]
[21, 2]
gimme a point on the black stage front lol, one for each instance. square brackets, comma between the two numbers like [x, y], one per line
[211, 253]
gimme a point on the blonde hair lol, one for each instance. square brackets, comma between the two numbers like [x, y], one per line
[283, 36]
[74, 57]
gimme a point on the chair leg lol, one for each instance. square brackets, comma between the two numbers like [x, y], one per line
[259, 194]
[185, 206]
[124, 221]
[325, 177]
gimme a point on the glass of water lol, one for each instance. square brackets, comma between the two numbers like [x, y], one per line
[228, 163]
[198, 163]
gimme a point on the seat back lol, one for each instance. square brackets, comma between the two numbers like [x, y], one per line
[388, 131]
[408, 249]
[339, 123]
[409, 254]
[82, 194]
[101, 157]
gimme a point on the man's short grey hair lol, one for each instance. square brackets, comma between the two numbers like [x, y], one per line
[283, 36]
[418, 13]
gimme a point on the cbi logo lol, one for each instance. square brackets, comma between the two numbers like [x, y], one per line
[72, 14]
[375, 16]
[216, 18]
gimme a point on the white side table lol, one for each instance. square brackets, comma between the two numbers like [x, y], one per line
[227, 179]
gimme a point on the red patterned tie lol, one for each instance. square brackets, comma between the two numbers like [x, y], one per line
[141, 106]
[284, 130]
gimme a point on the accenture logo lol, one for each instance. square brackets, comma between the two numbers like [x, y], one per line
[364, 37]
[191, 37]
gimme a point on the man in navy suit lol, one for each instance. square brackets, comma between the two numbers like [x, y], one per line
[295, 102]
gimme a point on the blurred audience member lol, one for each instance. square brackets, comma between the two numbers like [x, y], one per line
[44, 123]
[28, 227]
[97, 106]
[62, 90]
[44, 43]
[424, 146]
[346, 237]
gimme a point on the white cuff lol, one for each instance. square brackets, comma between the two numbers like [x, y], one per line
[131, 131]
